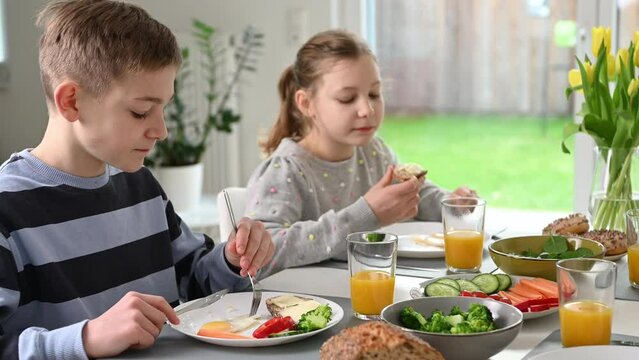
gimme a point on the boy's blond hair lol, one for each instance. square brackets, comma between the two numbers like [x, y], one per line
[95, 42]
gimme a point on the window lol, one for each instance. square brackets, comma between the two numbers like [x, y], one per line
[4, 72]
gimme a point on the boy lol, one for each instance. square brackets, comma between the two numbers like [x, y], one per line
[92, 255]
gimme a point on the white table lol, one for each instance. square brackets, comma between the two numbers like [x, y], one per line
[334, 282]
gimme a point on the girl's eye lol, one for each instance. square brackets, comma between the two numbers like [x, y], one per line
[138, 115]
[374, 96]
[346, 101]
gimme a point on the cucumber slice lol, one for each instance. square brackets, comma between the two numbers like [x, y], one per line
[440, 289]
[488, 283]
[505, 281]
[449, 282]
[467, 285]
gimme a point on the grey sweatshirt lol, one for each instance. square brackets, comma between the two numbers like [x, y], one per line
[309, 205]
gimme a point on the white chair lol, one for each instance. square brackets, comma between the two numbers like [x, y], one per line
[238, 202]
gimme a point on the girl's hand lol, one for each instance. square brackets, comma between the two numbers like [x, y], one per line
[464, 192]
[133, 322]
[394, 202]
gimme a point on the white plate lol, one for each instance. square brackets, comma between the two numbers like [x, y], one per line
[418, 292]
[615, 257]
[590, 352]
[413, 239]
[237, 304]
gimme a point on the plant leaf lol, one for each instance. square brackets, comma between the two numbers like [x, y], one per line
[556, 245]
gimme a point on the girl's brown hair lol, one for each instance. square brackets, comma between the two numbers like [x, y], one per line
[310, 64]
[95, 42]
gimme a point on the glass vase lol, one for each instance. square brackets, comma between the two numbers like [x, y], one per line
[616, 175]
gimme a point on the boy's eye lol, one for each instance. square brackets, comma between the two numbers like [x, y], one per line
[374, 96]
[139, 115]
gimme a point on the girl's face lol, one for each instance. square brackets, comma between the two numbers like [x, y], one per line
[346, 106]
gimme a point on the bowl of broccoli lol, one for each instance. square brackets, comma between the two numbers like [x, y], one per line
[459, 327]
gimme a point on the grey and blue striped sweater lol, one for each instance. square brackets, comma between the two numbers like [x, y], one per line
[71, 247]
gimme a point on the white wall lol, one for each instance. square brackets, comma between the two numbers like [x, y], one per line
[22, 108]
[23, 114]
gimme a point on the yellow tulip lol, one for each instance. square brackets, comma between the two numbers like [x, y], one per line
[622, 55]
[636, 38]
[601, 35]
[632, 88]
[574, 76]
[637, 57]
[611, 65]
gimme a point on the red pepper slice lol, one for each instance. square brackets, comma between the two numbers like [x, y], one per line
[523, 306]
[466, 293]
[273, 326]
[541, 307]
[479, 294]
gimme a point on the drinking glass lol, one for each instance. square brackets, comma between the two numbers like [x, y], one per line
[586, 297]
[632, 230]
[372, 259]
[463, 219]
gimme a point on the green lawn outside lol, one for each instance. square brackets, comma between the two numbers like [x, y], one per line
[511, 161]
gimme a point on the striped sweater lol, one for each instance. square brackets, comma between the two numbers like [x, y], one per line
[71, 247]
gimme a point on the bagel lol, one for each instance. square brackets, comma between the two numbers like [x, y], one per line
[573, 224]
[407, 171]
[614, 241]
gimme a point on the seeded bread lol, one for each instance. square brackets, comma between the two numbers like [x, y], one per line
[614, 241]
[573, 224]
[405, 172]
[290, 305]
[377, 340]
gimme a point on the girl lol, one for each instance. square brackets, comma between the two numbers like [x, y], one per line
[327, 174]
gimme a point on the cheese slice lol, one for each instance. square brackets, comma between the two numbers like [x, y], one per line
[296, 311]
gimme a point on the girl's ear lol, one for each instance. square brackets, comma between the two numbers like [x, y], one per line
[65, 97]
[303, 102]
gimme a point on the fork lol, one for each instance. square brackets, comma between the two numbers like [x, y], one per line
[257, 288]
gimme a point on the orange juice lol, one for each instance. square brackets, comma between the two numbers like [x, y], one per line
[585, 323]
[463, 249]
[371, 291]
[633, 264]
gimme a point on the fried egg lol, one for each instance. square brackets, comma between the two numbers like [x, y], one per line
[233, 325]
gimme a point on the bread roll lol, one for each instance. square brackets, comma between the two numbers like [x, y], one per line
[407, 171]
[377, 340]
[614, 241]
[574, 224]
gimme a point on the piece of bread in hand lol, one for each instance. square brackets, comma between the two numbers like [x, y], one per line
[573, 224]
[377, 340]
[614, 241]
[407, 171]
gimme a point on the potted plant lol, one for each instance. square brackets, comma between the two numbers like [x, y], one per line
[177, 160]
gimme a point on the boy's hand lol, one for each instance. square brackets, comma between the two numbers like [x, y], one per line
[394, 202]
[133, 322]
[251, 248]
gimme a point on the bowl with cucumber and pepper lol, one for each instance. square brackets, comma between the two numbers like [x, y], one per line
[534, 297]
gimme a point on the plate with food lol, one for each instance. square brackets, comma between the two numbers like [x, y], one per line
[418, 239]
[281, 318]
[534, 297]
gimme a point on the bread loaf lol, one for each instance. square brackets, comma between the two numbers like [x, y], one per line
[614, 241]
[573, 224]
[377, 340]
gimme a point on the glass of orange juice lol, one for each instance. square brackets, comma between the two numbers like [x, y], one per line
[632, 229]
[463, 220]
[586, 297]
[372, 259]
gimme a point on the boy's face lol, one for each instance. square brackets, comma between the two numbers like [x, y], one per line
[121, 127]
[348, 106]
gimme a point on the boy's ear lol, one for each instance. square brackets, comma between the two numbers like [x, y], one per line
[303, 102]
[65, 97]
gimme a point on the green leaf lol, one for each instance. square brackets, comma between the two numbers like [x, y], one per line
[374, 237]
[598, 127]
[584, 252]
[569, 130]
[556, 245]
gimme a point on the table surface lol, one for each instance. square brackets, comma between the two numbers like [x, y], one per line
[332, 282]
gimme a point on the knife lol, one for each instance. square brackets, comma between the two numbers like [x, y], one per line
[202, 302]
[624, 342]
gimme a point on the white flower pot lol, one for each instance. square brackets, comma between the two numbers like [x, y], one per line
[182, 184]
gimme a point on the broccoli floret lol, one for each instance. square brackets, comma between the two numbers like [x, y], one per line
[456, 310]
[454, 319]
[315, 319]
[481, 325]
[412, 319]
[479, 312]
[462, 328]
[437, 323]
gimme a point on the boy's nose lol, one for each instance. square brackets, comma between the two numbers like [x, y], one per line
[158, 130]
